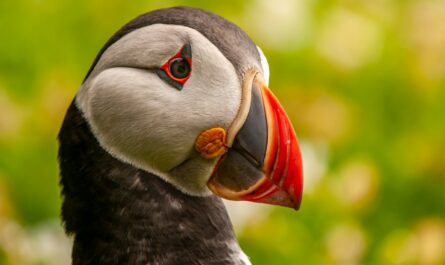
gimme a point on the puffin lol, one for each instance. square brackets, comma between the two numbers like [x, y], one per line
[174, 114]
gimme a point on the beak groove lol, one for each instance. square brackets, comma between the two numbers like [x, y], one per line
[264, 162]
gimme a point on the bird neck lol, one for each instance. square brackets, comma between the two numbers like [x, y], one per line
[119, 214]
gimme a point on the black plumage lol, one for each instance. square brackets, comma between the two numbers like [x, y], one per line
[119, 214]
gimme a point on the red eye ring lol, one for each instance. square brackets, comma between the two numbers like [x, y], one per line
[181, 61]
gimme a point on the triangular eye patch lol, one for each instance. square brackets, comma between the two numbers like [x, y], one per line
[177, 70]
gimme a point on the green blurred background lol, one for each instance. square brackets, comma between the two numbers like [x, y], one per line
[363, 82]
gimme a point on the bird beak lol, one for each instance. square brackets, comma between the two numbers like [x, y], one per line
[263, 162]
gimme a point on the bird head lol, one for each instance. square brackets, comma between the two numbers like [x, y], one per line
[183, 94]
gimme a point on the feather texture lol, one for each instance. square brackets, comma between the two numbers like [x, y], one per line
[119, 214]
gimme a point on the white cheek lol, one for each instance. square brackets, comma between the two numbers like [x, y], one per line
[132, 121]
[140, 119]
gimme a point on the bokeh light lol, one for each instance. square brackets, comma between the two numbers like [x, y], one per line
[363, 83]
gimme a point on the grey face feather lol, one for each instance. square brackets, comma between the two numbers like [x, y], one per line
[142, 120]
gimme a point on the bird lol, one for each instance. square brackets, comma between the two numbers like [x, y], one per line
[174, 114]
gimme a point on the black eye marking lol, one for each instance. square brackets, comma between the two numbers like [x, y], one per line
[176, 71]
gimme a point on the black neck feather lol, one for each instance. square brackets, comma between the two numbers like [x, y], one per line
[119, 214]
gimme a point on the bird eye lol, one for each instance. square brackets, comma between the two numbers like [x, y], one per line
[179, 68]
[176, 71]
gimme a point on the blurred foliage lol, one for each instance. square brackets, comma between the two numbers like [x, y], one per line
[363, 82]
